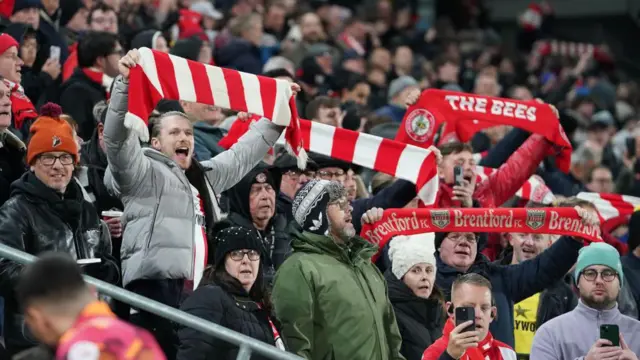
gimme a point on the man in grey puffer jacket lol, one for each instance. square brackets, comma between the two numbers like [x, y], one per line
[170, 201]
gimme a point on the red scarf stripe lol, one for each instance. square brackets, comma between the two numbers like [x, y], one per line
[201, 84]
[611, 206]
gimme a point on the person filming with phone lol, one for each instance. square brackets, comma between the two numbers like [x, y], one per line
[466, 334]
[595, 329]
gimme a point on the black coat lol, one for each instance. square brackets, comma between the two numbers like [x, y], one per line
[12, 166]
[37, 219]
[420, 320]
[78, 95]
[228, 307]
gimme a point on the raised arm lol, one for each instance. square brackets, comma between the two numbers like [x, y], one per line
[127, 163]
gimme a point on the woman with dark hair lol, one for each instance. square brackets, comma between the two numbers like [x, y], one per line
[417, 302]
[233, 294]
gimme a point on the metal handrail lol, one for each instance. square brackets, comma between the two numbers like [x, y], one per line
[247, 344]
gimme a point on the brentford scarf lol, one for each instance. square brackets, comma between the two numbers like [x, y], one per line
[21, 106]
[163, 76]
[466, 114]
[558, 221]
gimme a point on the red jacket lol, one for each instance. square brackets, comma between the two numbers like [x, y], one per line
[488, 349]
[504, 183]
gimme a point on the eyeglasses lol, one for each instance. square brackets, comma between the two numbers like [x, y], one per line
[343, 204]
[606, 275]
[459, 237]
[49, 160]
[328, 175]
[238, 255]
[295, 174]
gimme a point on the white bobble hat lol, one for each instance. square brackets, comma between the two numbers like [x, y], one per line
[407, 251]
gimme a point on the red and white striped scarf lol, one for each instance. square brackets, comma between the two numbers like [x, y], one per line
[163, 76]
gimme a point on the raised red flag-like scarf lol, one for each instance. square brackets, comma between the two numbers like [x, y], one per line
[469, 113]
[559, 221]
[163, 76]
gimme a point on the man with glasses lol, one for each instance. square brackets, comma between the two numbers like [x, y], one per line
[397, 195]
[459, 254]
[330, 298]
[292, 180]
[47, 212]
[577, 334]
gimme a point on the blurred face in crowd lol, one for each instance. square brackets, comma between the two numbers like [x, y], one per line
[275, 17]
[459, 250]
[175, 139]
[262, 203]
[208, 113]
[28, 50]
[479, 298]
[381, 57]
[161, 45]
[292, 181]
[54, 169]
[109, 64]
[359, 94]
[464, 159]
[599, 135]
[528, 246]
[254, 33]
[449, 72]
[339, 216]
[5, 106]
[329, 115]
[29, 16]
[206, 53]
[403, 60]
[79, 20]
[586, 109]
[50, 6]
[496, 133]
[311, 28]
[104, 21]
[11, 64]
[377, 77]
[521, 93]
[601, 181]
[243, 265]
[420, 279]
[487, 85]
[358, 30]
[351, 185]
[599, 287]
[357, 65]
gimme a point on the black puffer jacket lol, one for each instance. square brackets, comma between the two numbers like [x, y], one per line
[37, 219]
[275, 238]
[229, 307]
[420, 320]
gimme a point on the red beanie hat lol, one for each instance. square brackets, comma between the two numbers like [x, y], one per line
[49, 133]
[7, 41]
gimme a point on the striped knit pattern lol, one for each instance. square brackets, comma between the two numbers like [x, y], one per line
[163, 76]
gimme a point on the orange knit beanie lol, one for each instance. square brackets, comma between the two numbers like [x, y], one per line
[49, 133]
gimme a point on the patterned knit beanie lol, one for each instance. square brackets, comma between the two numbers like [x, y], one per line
[309, 206]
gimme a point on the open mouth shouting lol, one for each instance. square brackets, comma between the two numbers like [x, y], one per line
[182, 152]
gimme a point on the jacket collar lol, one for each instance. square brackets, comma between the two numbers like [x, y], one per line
[356, 250]
[9, 138]
[602, 316]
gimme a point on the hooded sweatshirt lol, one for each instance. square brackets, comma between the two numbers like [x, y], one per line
[570, 336]
[489, 348]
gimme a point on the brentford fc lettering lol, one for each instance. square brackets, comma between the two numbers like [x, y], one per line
[487, 219]
[557, 222]
[492, 106]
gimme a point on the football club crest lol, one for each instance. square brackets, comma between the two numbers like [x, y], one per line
[535, 218]
[55, 141]
[440, 218]
[261, 178]
[420, 125]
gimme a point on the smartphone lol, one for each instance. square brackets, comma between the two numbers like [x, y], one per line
[611, 333]
[54, 52]
[457, 175]
[464, 314]
[631, 147]
[89, 261]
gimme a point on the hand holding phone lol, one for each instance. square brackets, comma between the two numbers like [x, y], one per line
[54, 52]
[458, 176]
[464, 314]
[611, 333]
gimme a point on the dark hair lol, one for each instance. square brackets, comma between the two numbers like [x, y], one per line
[219, 276]
[54, 278]
[99, 6]
[275, 73]
[599, 167]
[93, 45]
[454, 147]
[442, 60]
[472, 279]
[320, 102]
[353, 80]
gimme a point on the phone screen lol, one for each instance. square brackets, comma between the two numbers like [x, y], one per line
[464, 314]
[457, 175]
[611, 333]
[54, 52]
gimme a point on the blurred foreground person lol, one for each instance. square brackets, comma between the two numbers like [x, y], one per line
[63, 313]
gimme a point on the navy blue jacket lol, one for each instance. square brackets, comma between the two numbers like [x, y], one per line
[514, 283]
[399, 194]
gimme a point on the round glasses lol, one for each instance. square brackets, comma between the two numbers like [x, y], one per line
[606, 275]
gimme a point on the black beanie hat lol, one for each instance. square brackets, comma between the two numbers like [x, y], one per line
[234, 238]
